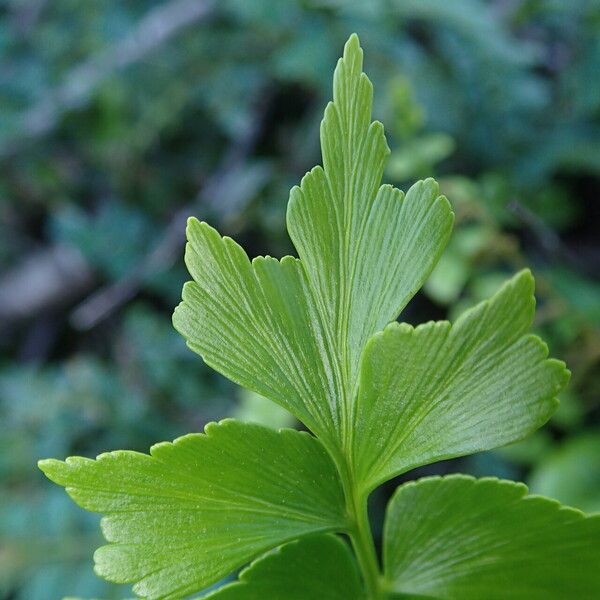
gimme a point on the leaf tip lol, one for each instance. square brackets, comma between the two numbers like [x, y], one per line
[192, 223]
[525, 278]
[50, 467]
[447, 207]
[431, 185]
[562, 373]
[108, 561]
[352, 45]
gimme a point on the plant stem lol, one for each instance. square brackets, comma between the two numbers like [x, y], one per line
[364, 547]
[360, 533]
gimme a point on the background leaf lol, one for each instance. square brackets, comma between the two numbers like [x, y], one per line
[570, 473]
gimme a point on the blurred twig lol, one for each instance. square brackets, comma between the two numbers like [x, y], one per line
[155, 28]
[44, 279]
[546, 237]
[25, 15]
[102, 303]
[548, 240]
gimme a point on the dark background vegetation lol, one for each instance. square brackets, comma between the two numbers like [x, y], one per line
[118, 119]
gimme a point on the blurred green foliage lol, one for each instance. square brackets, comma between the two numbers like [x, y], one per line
[118, 119]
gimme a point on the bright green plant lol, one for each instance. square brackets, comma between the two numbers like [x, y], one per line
[316, 335]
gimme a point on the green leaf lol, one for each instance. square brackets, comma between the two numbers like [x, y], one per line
[315, 567]
[193, 510]
[293, 331]
[439, 391]
[251, 321]
[571, 473]
[254, 408]
[366, 249]
[459, 538]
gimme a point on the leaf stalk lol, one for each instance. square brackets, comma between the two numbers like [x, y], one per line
[361, 536]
